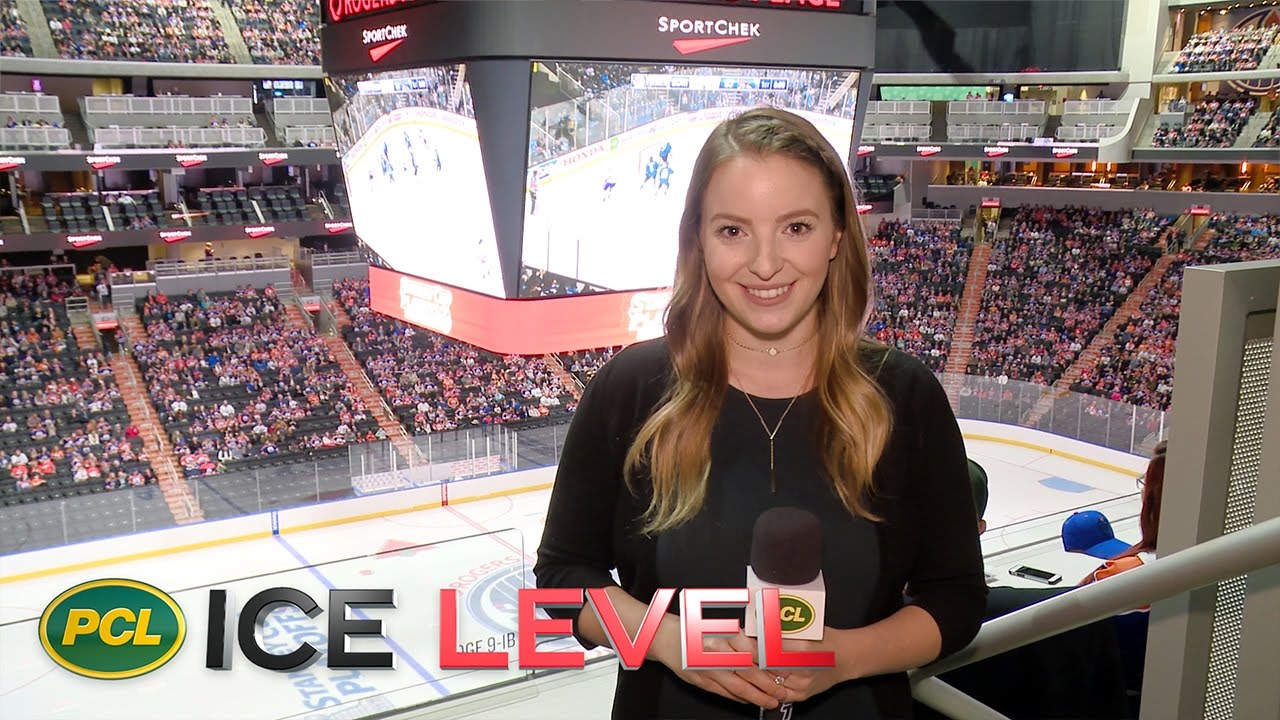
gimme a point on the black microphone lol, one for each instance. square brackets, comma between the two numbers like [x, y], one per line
[786, 553]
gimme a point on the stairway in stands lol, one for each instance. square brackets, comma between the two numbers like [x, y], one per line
[371, 397]
[1089, 356]
[966, 319]
[567, 379]
[154, 438]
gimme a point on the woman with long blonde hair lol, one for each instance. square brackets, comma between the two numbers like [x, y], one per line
[764, 393]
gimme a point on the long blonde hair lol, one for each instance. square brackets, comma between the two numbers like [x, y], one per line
[854, 418]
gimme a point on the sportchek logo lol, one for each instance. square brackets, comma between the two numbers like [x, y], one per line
[257, 231]
[173, 236]
[273, 158]
[187, 161]
[864, 150]
[927, 150]
[8, 162]
[385, 39]
[714, 33]
[336, 227]
[995, 150]
[102, 162]
[79, 241]
[864, 208]
[1065, 152]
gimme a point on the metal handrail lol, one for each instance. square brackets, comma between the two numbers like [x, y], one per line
[1205, 564]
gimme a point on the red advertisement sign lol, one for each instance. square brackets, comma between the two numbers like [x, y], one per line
[520, 327]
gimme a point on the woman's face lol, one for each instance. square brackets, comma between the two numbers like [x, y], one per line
[768, 234]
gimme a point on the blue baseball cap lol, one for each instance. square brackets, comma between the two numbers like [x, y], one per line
[1090, 532]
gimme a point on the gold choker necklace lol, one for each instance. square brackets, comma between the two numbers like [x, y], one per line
[773, 351]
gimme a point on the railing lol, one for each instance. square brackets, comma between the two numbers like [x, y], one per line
[897, 132]
[898, 107]
[994, 133]
[306, 134]
[178, 268]
[1096, 107]
[335, 258]
[191, 137]
[1088, 132]
[34, 137]
[1017, 107]
[284, 107]
[12, 103]
[164, 105]
[1210, 562]
[1090, 418]
[936, 214]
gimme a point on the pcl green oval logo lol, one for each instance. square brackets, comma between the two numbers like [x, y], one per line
[112, 629]
[796, 613]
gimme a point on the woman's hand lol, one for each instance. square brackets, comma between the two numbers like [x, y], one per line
[750, 685]
[803, 684]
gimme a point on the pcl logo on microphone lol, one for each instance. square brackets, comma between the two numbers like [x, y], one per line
[796, 614]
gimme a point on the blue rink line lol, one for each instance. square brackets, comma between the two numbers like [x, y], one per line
[395, 647]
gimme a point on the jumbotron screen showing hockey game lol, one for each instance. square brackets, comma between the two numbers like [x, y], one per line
[609, 168]
[411, 157]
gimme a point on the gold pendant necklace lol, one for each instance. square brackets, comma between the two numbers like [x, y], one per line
[772, 351]
[773, 478]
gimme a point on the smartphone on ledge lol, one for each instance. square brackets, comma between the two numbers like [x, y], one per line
[1036, 574]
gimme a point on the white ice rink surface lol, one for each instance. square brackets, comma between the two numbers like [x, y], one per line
[486, 549]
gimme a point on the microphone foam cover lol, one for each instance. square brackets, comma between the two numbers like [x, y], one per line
[786, 546]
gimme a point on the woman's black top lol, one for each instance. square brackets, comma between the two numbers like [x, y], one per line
[926, 543]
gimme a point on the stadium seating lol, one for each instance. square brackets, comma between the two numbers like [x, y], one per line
[1052, 282]
[981, 121]
[436, 384]
[584, 364]
[1215, 122]
[14, 40]
[280, 32]
[32, 121]
[1090, 120]
[63, 428]
[239, 206]
[303, 122]
[119, 121]
[1225, 50]
[1269, 135]
[86, 212]
[237, 388]
[919, 271]
[179, 31]
[898, 121]
[1137, 368]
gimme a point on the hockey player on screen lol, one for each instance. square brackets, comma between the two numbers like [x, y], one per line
[388, 167]
[650, 172]
[665, 153]
[533, 193]
[608, 186]
[664, 179]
